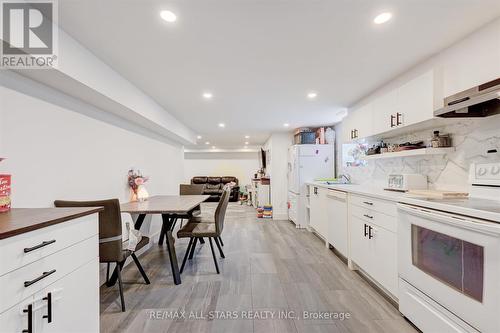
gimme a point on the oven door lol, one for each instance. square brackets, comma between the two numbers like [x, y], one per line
[454, 260]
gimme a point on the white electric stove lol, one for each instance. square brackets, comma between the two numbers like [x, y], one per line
[449, 257]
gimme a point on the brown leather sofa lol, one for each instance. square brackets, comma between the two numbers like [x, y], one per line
[213, 187]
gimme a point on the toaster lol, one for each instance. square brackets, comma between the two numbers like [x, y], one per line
[406, 182]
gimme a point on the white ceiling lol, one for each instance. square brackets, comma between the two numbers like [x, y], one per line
[260, 57]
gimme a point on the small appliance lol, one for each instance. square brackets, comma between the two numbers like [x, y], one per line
[406, 182]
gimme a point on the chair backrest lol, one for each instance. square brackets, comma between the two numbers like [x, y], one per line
[110, 227]
[191, 189]
[220, 211]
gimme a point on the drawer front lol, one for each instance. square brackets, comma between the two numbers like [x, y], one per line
[44, 242]
[374, 217]
[381, 206]
[45, 271]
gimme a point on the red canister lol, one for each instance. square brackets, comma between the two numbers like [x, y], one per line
[4, 193]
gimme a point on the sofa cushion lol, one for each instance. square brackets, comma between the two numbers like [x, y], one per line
[199, 180]
[214, 180]
[226, 180]
[212, 189]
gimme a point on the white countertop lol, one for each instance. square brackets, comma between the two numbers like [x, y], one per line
[475, 207]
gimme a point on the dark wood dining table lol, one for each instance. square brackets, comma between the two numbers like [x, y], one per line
[171, 208]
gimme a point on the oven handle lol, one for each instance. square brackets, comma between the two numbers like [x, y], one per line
[455, 220]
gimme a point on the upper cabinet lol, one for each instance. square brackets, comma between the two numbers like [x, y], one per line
[385, 110]
[358, 123]
[415, 100]
[408, 104]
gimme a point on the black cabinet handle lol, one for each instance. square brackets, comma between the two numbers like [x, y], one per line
[368, 203]
[29, 310]
[399, 117]
[370, 234]
[43, 276]
[368, 216]
[315, 190]
[356, 133]
[36, 247]
[366, 232]
[48, 316]
[352, 134]
[393, 117]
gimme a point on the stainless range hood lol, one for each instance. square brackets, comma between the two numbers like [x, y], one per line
[480, 101]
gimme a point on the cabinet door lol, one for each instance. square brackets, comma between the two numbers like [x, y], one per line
[384, 112]
[360, 251]
[362, 121]
[416, 100]
[322, 218]
[383, 244]
[337, 220]
[346, 129]
[74, 302]
[16, 320]
[315, 207]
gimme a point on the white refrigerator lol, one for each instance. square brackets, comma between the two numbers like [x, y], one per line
[306, 163]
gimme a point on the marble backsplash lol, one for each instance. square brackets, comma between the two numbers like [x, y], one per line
[472, 138]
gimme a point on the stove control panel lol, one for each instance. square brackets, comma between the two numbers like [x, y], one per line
[485, 174]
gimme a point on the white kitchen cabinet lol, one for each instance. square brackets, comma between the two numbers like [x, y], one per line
[385, 109]
[59, 265]
[358, 124]
[336, 211]
[383, 246]
[360, 251]
[66, 296]
[19, 317]
[415, 100]
[373, 239]
[318, 216]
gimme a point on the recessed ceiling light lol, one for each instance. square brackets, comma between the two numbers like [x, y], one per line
[207, 95]
[286, 124]
[168, 16]
[213, 147]
[207, 142]
[247, 136]
[246, 143]
[198, 137]
[382, 18]
[312, 95]
[222, 125]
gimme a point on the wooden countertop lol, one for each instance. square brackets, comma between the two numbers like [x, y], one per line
[21, 220]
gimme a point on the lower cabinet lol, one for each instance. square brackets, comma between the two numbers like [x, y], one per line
[58, 289]
[373, 248]
[72, 306]
[19, 317]
[318, 217]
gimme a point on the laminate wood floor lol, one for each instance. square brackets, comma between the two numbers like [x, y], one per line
[271, 275]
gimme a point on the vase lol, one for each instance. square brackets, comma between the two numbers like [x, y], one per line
[142, 193]
[133, 195]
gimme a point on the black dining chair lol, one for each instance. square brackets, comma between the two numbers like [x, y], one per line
[111, 245]
[211, 229]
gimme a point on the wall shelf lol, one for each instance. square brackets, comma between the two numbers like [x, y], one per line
[409, 153]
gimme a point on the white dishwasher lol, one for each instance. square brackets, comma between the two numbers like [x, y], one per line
[337, 220]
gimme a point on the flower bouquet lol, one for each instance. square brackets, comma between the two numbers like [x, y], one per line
[136, 181]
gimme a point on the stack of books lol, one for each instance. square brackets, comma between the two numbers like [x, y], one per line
[268, 212]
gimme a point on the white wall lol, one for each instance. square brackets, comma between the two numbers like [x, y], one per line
[240, 165]
[55, 153]
[278, 145]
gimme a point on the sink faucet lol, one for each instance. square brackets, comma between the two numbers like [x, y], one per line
[345, 178]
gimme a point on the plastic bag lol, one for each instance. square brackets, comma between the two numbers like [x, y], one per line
[134, 237]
